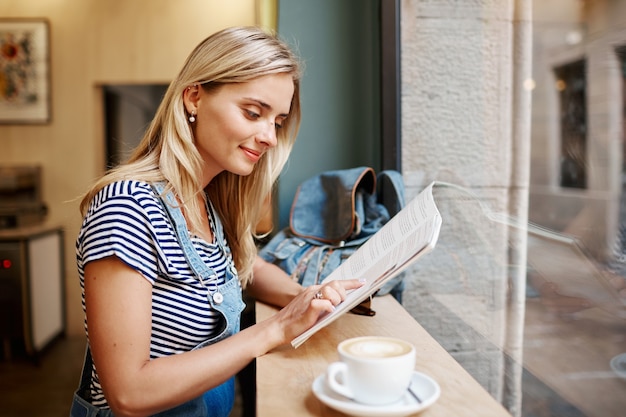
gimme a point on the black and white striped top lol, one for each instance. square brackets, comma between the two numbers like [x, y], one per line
[125, 219]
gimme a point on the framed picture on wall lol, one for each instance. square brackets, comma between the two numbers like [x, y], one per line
[24, 71]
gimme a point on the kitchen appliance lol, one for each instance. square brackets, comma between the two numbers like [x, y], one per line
[32, 274]
[21, 196]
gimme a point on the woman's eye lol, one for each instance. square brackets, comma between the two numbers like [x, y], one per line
[278, 125]
[252, 114]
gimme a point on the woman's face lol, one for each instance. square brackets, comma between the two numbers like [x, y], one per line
[237, 123]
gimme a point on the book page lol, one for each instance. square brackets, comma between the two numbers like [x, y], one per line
[411, 233]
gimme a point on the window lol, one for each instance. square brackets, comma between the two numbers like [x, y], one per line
[621, 55]
[571, 84]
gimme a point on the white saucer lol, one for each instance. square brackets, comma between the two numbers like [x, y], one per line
[618, 363]
[424, 386]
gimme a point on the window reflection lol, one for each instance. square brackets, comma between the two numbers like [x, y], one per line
[571, 85]
[575, 315]
[566, 356]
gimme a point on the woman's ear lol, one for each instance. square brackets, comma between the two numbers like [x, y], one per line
[191, 95]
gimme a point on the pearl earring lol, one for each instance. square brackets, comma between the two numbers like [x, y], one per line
[192, 117]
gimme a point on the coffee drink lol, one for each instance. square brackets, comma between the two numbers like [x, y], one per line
[373, 370]
[376, 347]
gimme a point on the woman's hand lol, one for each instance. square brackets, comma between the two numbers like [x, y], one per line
[306, 308]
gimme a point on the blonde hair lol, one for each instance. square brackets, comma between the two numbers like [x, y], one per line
[167, 151]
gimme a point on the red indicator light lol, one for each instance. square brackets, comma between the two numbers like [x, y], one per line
[6, 263]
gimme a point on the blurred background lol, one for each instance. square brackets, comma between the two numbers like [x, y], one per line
[516, 108]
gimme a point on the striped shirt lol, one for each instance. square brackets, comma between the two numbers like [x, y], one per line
[126, 219]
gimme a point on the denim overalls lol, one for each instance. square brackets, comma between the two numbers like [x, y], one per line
[225, 298]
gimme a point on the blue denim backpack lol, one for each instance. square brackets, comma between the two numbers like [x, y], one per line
[332, 214]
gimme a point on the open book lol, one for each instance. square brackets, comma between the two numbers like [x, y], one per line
[410, 234]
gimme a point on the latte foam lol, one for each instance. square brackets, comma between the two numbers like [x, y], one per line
[376, 348]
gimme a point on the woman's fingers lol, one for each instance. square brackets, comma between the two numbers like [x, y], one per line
[335, 291]
[304, 310]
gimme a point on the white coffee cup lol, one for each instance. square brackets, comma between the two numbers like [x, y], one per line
[372, 370]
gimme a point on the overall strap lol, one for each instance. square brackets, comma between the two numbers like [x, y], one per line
[202, 270]
[219, 229]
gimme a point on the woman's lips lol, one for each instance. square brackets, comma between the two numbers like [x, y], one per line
[251, 154]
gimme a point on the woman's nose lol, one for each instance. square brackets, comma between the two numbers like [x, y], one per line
[268, 135]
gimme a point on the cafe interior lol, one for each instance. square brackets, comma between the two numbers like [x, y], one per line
[515, 109]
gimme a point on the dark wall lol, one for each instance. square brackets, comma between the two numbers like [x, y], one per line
[339, 43]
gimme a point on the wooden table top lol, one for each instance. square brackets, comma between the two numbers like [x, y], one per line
[285, 376]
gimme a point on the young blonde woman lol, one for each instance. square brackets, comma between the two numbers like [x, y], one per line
[167, 239]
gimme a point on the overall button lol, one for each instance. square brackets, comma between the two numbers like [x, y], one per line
[218, 298]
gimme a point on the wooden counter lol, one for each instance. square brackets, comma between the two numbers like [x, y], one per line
[285, 376]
